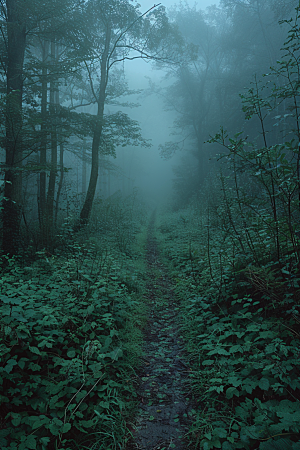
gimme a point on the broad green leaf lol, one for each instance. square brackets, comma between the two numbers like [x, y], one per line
[116, 353]
[16, 419]
[279, 444]
[45, 441]
[9, 365]
[208, 436]
[31, 442]
[41, 420]
[231, 391]
[220, 432]
[234, 381]
[90, 309]
[66, 427]
[7, 330]
[35, 350]
[264, 384]
[236, 348]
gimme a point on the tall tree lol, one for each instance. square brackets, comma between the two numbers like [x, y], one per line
[12, 204]
[120, 32]
[24, 22]
[192, 93]
[53, 110]
[232, 43]
[98, 127]
[43, 148]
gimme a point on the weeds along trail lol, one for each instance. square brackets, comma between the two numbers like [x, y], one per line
[164, 406]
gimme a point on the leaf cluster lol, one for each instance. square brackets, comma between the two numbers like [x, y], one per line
[243, 342]
[69, 336]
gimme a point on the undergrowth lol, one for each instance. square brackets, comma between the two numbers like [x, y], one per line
[235, 256]
[243, 343]
[71, 329]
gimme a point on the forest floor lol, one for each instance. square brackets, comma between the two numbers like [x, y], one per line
[164, 404]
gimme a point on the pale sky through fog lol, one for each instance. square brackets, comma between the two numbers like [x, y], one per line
[201, 4]
[155, 176]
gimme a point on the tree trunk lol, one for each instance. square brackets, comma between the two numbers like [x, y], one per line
[43, 151]
[83, 188]
[88, 203]
[61, 179]
[53, 163]
[12, 202]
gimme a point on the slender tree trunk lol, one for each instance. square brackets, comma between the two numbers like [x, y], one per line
[83, 188]
[61, 179]
[12, 203]
[104, 184]
[53, 163]
[88, 203]
[108, 183]
[87, 206]
[123, 171]
[200, 159]
[61, 165]
[43, 151]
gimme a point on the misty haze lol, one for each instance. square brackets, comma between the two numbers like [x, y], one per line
[150, 225]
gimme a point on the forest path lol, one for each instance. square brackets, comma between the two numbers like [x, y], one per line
[164, 409]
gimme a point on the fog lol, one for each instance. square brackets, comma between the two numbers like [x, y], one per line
[145, 167]
[160, 123]
[149, 171]
[149, 224]
[125, 98]
[202, 4]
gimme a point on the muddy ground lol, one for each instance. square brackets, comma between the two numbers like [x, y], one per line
[164, 403]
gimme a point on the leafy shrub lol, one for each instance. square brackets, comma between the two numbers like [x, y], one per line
[66, 352]
[242, 333]
[236, 262]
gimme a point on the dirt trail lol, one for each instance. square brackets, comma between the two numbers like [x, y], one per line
[164, 409]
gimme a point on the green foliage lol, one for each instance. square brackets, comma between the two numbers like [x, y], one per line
[243, 349]
[237, 271]
[70, 336]
[119, 218]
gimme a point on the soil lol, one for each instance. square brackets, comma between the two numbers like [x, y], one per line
[164, 404]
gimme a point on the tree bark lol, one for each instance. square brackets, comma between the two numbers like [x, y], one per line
[88, 203]
[43, 151]
[83, 179]
[53, 163]
[61, 179]
[61, 164]
[12, 202]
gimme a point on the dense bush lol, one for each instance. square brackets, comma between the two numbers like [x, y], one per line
[242, 332]
[70, 337]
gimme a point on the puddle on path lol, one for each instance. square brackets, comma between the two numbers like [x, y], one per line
[164, 410]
